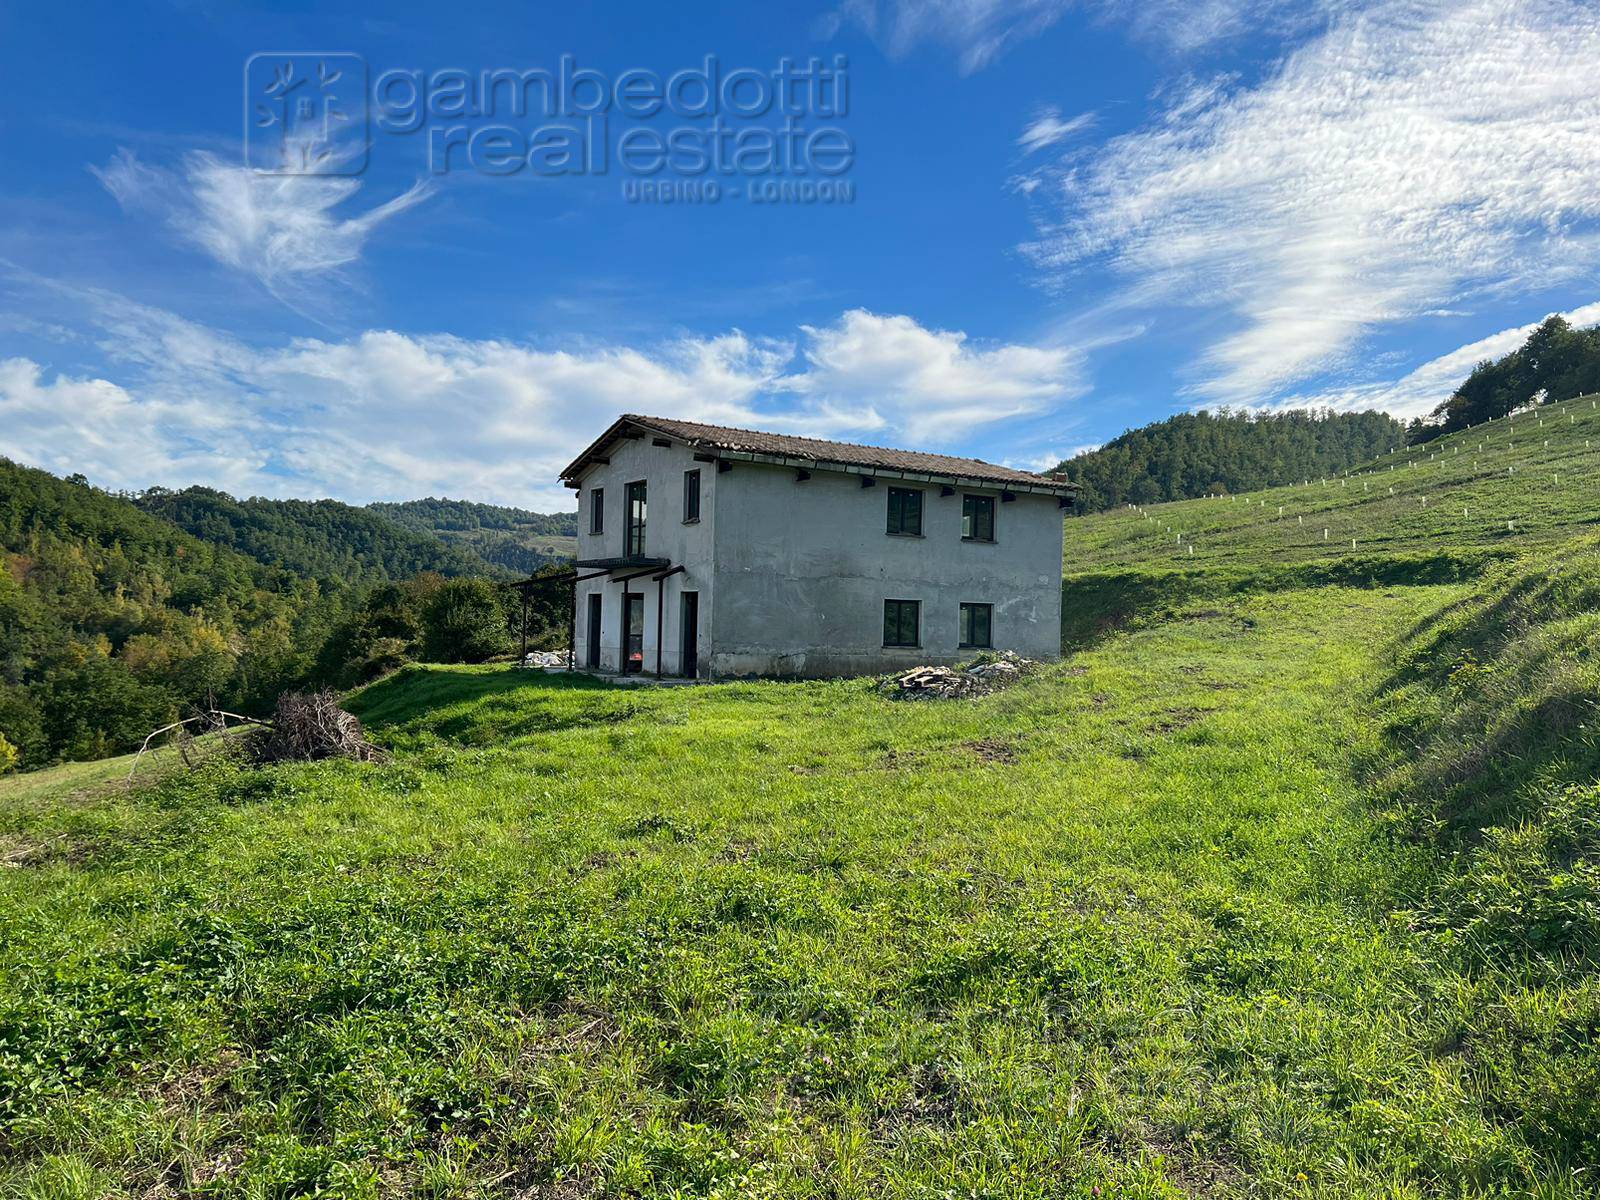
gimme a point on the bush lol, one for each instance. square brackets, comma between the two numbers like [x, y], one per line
[8, 755]
[464, 622]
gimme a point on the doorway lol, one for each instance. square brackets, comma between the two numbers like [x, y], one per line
[689, 629]
[633, 627]
[592, 628]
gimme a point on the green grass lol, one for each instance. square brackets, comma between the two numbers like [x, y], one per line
[1497, 489]
[1131, 925]
[1285, 882]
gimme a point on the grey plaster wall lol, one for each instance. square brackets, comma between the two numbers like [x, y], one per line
[802, 570]
[666, 536]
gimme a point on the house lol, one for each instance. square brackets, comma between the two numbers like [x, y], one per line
[706, 551]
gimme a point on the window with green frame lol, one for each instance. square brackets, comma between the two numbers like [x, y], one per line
[900, 620]
[977, 518]
[636, 517]
[905, 512]
[977, 626]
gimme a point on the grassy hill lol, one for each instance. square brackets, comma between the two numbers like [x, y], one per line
[512, 539]
[1497, 488]
[1285, 881]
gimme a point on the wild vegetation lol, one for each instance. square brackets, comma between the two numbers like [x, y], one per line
[1198, 454]
[511, 538]
[1556, 363]
[1283, 882]
[117, 613]
[314, 539]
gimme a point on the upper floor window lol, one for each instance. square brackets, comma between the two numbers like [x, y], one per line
[691, 496]
[900, 620]
[976, 626]
[977, 518]
[597, 510]
[636, 515]
[905, 512]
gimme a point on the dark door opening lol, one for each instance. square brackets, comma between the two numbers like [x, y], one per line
[689, 625]
[633, 624]
[596, 605]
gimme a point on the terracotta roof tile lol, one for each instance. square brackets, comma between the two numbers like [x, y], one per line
[751, 441]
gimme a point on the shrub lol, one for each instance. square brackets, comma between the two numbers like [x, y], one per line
[464, 622]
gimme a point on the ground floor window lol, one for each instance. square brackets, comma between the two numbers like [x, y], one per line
[976, 623]
[900, 620]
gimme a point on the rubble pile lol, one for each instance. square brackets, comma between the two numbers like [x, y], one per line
[545, 659]
[951, 683]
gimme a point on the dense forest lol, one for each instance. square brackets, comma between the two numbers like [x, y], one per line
[1192, 454]
[1556, 363]
[317, 539]
[509, 538]
[119, 613]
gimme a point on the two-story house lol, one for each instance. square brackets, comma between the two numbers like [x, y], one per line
[715, 552]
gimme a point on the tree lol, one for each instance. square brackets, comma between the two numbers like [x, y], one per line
[8, 755]
[464, 621]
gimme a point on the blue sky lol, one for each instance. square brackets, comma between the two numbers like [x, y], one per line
[1063, 220]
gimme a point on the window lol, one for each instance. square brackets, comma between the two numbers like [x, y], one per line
[905, 512]
[636, 514]
[977, 518]
[976, 626]
[691, 496]
[900, 622]
[597, 510]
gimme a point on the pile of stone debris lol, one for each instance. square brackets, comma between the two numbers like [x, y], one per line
[545, 659]
[951, 683]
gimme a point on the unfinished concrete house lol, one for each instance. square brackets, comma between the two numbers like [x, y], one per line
[711, 552]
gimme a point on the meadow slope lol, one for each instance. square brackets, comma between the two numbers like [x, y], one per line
[1284, 882]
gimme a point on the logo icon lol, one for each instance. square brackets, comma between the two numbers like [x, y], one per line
[306, 113]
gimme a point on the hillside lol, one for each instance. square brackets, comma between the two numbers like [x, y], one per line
[1197, 454]
[1511, 485]
[510, 538]
[314, 539]
[111, 619]
[118, 614]
[1285, 881]
[1137, 922]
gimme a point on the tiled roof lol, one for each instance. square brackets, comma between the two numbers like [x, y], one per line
[724, 439]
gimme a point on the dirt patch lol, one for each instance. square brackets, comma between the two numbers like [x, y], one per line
[931, 1100]
[903, 760]
[992, 750]
[1198, 1166]
[19, 852]
[1174, 719]
[739, 850]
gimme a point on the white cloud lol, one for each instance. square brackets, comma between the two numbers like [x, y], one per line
[980, 31]
[1412, 156]
[1048, 128]
[1420, 391]
[387, 415]
[890, 373]
[280, 228]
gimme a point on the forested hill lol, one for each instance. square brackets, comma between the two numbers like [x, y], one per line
[316, 539]
[111, 618]
[1556, 363]
[118, 613]
[1192, 454]
[511, 538]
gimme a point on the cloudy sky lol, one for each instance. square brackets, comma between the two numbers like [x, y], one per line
[1062, 218]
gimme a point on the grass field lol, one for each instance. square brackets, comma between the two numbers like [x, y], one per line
[1498, 490]
[1283, 882]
